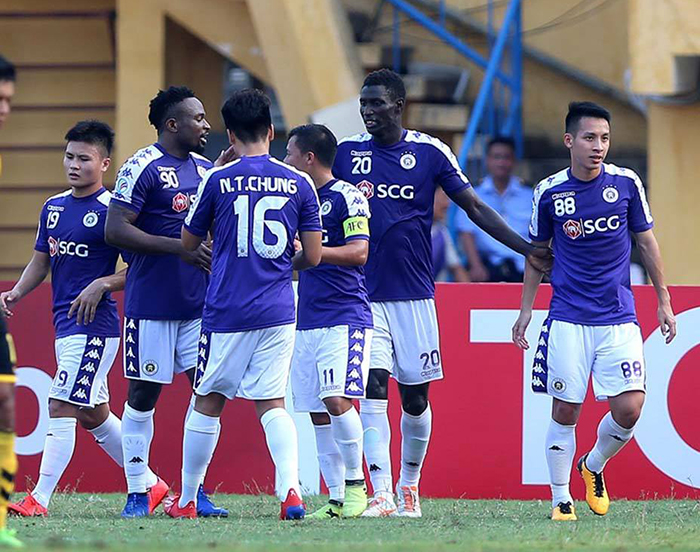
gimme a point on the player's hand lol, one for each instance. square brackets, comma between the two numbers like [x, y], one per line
[8, 300]
[226, 156]
[667, 322]
[200, 257]
[519, 329]
[479, 273]
[542, 259]
[85, 304]
[297, 245]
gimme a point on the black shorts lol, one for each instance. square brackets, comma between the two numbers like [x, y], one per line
[7, 372]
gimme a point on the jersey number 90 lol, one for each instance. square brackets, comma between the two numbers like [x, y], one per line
[241, 207]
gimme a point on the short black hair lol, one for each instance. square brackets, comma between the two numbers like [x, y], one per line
[247, 114]
[579, 110]
[389, 80]
[92, 132]
[161, 107]
[7, 70]
[317, 139]
[503, 140]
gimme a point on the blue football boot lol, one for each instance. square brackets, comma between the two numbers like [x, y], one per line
[206, 508]
[136, 505]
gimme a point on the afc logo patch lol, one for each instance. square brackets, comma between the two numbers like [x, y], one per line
[367, 188]
[180, 202]
[573, 229]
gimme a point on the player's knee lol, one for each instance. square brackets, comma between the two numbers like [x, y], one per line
[337, 405]
[565, 413]
[90, 418]
[627, 417]
[378, 384]
[414, 403]
[320, 418]
[61, 409]
[143, 395]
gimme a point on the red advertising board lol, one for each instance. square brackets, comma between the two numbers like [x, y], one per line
[488, 432]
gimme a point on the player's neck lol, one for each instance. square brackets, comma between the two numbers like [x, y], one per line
[389, 137]
[321, 177]
[583, 174]
[173, 148]
[85, 191]
[252, 149]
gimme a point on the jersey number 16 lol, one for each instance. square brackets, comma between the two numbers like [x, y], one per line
[241, 207]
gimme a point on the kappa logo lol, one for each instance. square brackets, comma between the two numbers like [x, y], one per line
[356, 348]
[131, 368]
[130, 339]
[94, 353]
[354, 374]
[355, 361]
[537, 382]
[96, 342]
[203, 339]
[85, 381]
[537, 368]
[203, 353]
[80, 394]
[374, 468]
[539, 355]
[572, 228]
[88, 367]
[545, 329]
[130, 353]
[130, 324]
[358, 334]
[367, 188]
[542, 342]
[354, 388]
[180, 202]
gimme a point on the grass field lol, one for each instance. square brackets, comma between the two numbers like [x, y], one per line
[87, 521]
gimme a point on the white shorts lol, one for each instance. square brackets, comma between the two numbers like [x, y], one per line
[83, 363]
[157, 350]
[407, 341]
[251, 365]
[567, 354]
[329, 362]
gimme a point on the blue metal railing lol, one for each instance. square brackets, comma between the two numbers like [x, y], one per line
[491, 106]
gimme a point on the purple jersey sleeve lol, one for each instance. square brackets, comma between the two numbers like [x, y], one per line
[541, 222]
[133, 184]
[639, 213]
[448, 173]
[309, 216]
[201, 215]
[42, 236]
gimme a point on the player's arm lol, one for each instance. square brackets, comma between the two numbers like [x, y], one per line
[531, 282]
[85, 304]
[34, 273]
[190, 242]
[353, 253]
[310, 253]
[651, 258]
[493, 224]
[121, 232]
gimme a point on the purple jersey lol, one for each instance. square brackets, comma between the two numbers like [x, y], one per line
[254, 206]
[589, 224]
[160, 188]
[400, 182]
[332, 295]
[71, 231]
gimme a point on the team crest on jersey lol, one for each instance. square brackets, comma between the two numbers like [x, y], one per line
[366, 187]
[149, 367]
[573, 229]
[326, 207]
[610, 194]
[180, 202]
[558, 384]
[201, 171]
[90, 220]
[408, 160]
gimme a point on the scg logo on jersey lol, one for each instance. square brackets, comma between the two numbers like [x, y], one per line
[59, 247]
[577, 228]
[395, 191]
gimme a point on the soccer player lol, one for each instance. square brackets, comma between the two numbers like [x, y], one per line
[334, 325]
[398, 171]
[259, 204]
[587, 212]
[165, 284]
[70, 244]
[8, 459]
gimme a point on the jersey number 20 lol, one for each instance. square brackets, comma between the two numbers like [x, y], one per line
[241, 207]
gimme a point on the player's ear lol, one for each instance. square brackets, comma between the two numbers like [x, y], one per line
[171, 124]
[399, 105]
[106, 162]
[271, 133]
[568, 140]
[231, 137]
